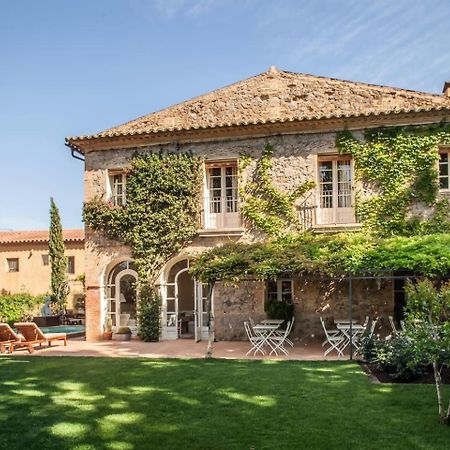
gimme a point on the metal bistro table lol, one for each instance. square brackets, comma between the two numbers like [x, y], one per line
[356, 331]
[265, 331]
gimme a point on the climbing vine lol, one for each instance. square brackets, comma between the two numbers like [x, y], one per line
[263, 205]
[398, 169]
[159, 218]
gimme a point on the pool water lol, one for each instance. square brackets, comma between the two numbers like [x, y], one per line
[69, 329]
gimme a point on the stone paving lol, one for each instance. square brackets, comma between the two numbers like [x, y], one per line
[181, 348]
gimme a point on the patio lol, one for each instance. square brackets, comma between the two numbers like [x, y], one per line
[174, 349]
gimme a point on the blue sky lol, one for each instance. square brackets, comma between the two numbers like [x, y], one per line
[69, 68]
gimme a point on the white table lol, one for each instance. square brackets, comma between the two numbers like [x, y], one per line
[265, 331]
[272, 322]
[357, 331]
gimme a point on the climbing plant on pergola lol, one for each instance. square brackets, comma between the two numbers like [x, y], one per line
[339, 256]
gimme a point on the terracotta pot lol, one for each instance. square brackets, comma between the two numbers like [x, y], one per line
[107, 335]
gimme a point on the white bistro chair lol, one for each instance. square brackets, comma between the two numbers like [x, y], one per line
[255, 340]
[333, 340]
[278, 340]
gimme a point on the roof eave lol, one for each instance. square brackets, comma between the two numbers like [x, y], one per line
[86, 144]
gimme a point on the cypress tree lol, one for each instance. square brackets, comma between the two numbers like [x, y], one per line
[58, 262]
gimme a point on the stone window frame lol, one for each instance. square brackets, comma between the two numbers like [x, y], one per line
[12, 265]
[116, 178]
[444, 150]
[279, 282]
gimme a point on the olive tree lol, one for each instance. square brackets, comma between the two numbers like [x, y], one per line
[428, 326]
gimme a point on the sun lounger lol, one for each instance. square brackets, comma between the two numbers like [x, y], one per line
[7, 338]
[33, 335]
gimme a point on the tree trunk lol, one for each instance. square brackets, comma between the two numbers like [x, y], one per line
[209, 302]
[443, 415]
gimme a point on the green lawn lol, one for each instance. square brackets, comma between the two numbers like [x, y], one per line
[100, 403]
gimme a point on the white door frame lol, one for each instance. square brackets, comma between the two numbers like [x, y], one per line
[119, 276]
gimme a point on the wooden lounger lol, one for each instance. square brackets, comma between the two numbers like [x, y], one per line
[33, 335]
[7, 338]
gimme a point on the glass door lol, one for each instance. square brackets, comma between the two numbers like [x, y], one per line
[335, 202]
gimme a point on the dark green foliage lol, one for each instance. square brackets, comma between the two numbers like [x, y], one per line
[149, 315]
[16, 307]
[401, 164]
[58, 261]
[265, 207]
[395, 356]
[279, 310]
[335, 255]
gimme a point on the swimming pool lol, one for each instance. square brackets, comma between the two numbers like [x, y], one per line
[70, 330]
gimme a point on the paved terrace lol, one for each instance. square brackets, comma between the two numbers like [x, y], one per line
[171, 349]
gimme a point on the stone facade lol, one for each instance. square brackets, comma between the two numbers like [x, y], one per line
[299, 116]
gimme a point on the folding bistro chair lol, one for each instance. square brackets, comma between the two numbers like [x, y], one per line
[334, 341]
[278, 340]
[280, 332]
[255, 340]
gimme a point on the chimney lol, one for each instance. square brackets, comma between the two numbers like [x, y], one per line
[446, 89]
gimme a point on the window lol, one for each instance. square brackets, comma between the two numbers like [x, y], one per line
[117, 184]
[71, 264]
[221, 196]
[280, 290]
[13, 264]
[45, 261]
[443, 171]
[335, 190]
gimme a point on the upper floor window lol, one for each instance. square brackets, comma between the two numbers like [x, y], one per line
[444, 170]
[280, 290]
[71, 264]
[335, 196]
[45, 259]
[117, 186]
[12, 264]
[221, 196]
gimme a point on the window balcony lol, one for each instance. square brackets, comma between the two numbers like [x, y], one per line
[328, 210]
[221, 214]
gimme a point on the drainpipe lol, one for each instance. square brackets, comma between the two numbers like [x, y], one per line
[74, 153]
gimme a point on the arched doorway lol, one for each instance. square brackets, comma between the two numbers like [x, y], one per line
[121, 296]
[184, 315]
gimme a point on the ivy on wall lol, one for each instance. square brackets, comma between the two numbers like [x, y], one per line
[159, 218]
[265, 207]
[400, 165]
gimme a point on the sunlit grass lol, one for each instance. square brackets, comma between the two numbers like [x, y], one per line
[95, 403]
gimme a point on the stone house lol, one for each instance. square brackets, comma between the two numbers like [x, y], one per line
[26, 266]
[299, 115]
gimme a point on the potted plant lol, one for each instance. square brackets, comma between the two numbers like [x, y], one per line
[107, 330]
[122, 334]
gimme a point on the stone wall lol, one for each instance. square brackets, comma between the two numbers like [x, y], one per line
[234, 305]
[312, 299]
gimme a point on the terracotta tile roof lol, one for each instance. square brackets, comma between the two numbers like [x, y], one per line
[279, 96]
[7, 237]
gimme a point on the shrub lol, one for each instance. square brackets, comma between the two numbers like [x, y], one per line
[123, 330]
[279, 310]
[149, 315]
[395, 356]
[16, 307]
